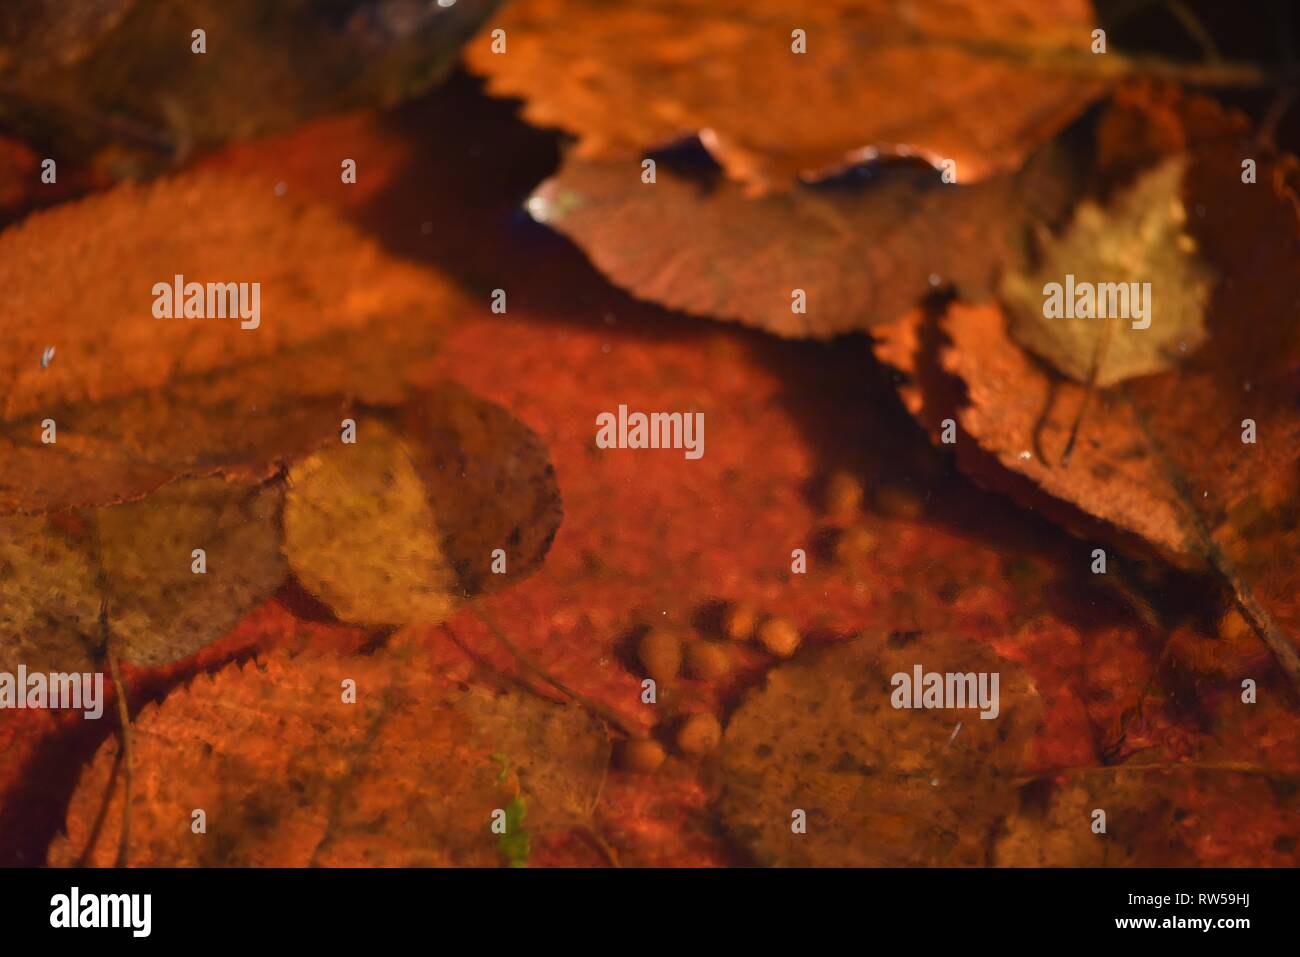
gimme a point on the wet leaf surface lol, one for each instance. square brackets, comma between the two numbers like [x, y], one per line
[880, 785]
[138, 400]
[139, 557]
[862, 250]
[1127, 261]
[979, 85]
[454, 499]
[87, 76]
[291, 775]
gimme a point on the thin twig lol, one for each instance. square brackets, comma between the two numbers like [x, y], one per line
[1098, 359]
[124, 719]
[1222, 767]
[1193, 25]
[594, 706]
[1255, 613]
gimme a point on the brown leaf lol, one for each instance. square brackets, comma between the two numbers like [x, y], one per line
[1165, 456]
[1155, 817]
[122, 74]
[1137, 241]
[402, 525]
[964, 81]
[288, 774]
[822, 736]
[139, 557]
[360, 534]
[138, 400]
[491, 482]
[863, 252]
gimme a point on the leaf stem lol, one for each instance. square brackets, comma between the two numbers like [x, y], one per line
[1255, 613]
[124, 720]
[594, 706]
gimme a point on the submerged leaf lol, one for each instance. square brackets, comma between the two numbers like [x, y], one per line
[163, 606]
[163, 603]
[1154, 817]
[359, 532]
[979, 88]
[292, 775]
[125, 73]
[861, 252]
[451, 499]
[881, 786]
[138, 400]
[1135, 269]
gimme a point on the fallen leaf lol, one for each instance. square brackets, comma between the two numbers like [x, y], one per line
[360, 534]
[862, 250]
[138, 556]
[1137, 242]
[289, 775]
[980, 88]
[880, 786]
[137, 400]
[405, 523]
[125, 74]
[491, 482]
[160, 609]
[558, 753]
[1154, 817]
[1167, 456]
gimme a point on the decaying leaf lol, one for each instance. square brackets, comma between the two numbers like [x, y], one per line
[490, 480]
[626, 78]
[1153, 817]
[1141, 290]
[164, 603]
[360, 533]
[452, 499]
[861, 252]
[84, 75]
[880, 786]
[289, 773]
[1201, 460]
[558, 753]
[137, 400]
